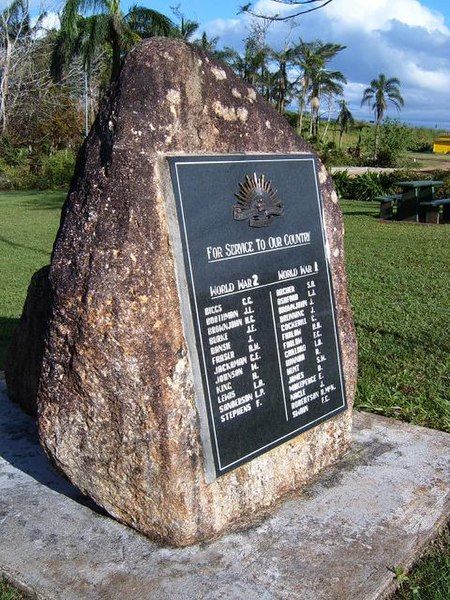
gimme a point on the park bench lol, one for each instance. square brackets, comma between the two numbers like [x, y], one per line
[432, 210]
[387, 205]
[414, 195]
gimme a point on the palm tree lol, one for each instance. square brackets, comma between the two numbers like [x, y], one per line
[210, 45]
[378, 95]
[344, 119]
[146, 22]
[311, 57]
[323, 82]
[283, 59]
[207, 43]
[249, 64]
[186, 29]
[108, 27]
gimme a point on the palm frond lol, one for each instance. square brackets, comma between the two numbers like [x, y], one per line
[149, 23]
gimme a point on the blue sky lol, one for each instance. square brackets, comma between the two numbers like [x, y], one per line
[409, 39]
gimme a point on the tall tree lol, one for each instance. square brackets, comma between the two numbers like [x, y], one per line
[344, 119]
[248, 64]
[283, 60]
[210, 45]
[378, 95]
[107, 27]
[207, 43]
[323, 82]
[311, 58]
[146, 22]
[187, 28]
[16, 38]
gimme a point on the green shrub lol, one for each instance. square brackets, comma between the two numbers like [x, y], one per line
[363, 187]
[56, 170]
[16, 177]
[366, 187]
[12, 155]
[421, 140]
[444, 190]
[393, 140]
[332, 156]
[369, 185]
[26, 172]
[421, 146]
[342, 183]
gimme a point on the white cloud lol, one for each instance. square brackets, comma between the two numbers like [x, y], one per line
[401, 38]
[51, 21]
[224, 26]
[435, 81]
[371, 15]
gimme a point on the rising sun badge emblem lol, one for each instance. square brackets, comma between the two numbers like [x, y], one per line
[257, 201]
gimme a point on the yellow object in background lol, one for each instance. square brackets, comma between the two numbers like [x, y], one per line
[441, 145]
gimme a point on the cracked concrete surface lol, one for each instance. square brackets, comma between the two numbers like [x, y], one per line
[377, 508]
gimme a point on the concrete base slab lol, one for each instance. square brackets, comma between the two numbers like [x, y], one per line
[376, 509]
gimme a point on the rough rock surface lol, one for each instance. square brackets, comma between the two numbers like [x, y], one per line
[116, 408]
[24, 359]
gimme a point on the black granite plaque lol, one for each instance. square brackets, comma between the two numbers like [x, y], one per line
[261, 299]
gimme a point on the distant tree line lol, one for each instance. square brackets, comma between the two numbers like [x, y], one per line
[51, 81]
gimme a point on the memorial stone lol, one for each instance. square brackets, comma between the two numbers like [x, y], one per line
[199, 357]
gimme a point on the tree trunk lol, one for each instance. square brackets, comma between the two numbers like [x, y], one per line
[301, 110]
[315, 107]
[316, 120]
[328, 122]
[4, 86]
[377, 134]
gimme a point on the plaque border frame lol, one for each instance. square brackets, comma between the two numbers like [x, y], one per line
[190, 316]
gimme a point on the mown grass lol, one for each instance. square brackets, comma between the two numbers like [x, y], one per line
[9, 593]
[28, 225]
[429, 161]
[430, 579]
[399, 287]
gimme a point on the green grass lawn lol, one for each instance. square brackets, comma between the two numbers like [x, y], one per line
[28, 225]
[430, 161]
[399, 288]
[399, 284]
[430, 579]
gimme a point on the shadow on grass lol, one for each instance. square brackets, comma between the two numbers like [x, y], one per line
[421, 341]
[361, 213]
[23, 246]
[44, 200]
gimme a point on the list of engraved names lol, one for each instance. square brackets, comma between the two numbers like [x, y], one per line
[261, 303]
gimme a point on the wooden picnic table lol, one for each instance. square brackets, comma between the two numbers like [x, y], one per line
[414, 193]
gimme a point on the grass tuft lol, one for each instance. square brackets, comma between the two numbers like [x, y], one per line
[430, 579]
[9, 593]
